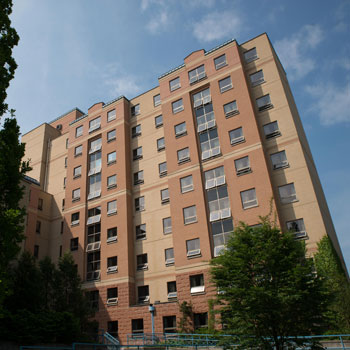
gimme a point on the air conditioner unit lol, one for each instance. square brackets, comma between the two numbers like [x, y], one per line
[172, 295]
[112, 301]
[193, 252]
[140, 235]
[281, 165]
[74, 223]
[144, 299]
[112, 269]
[142, 267]
[111, 239]
[169, 261]
[198, 289]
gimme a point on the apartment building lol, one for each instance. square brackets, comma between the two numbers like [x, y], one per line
[144, 192]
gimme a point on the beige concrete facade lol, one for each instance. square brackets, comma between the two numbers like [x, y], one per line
[79, 182]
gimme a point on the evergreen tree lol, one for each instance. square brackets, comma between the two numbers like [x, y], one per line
[267, 287]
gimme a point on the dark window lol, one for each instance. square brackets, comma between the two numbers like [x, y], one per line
[142, 262]
[111, 115]
[174, 84]
[271, 130]
[36, 251]
[137, 325]
[94, 297]
[158, 121]
[225, 84]
[74, 244]
[112, 327]
[250, 55]
[143, 294]
[160, 144]
[141, 231]
[38, 227]
[264, 102]
[196, 74]
[156, 100]
[137, 153]
[220, 62]
[257, 78]
[140, 204]
[136, 131]
[172, 291]
[164, 194]
[40, 204]
[169, 324]
[112, 234]
[138, 178]
[200, 320]
[162, 169]
[135, 110]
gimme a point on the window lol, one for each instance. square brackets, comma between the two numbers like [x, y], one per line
[156, 100]
[158, 121]
[214, 177]
[169, 256]
[40, 203]
[79, 131]
[162, 169]
[249, 199]
[297, 227]
[174, 84]
[190, 214]
[200, 320]
[167, 225]
[36, 251]
[94, 124]
[271, 130]
[164, 195]
[210, 146]
[62, 227]
[177, 106]
[65, 162]
[93, 237]
[236, 136]
[74, 244]
[112, 264]
[250, 55]
[76, 194]
[140, 204]
[220, 62]
[111, 135]
[93, 266]
[172, 291]
[264, 102]
[230, 109]
[219, 203]
[64, 182]
[279, 160]
[111, 157]
[112, 234]
[135, 110]
[138, 178]
[142, 262]
[169, 324]
[93, 297]
[94, 186]
[38, 227]
[143, 294]
[197, 284]
[137, 153]
[111, 115]
[112, 207]
[180, 129]
[112, 296]
[95, 165]
[78, 150]
[76, 173]
[221, 231]
[67, 143]
[242, 166]
[94, 215]
[196, 74]
[205, 117]
[137, 325]
[193, 248]
[183, 155]
[95, 145]
[63, 203]
[60, 252]
[112, 181]
[201, 98]
[136, 130]
[186, 184]
[225, 84]
[141, 231]
[287, 193]
[257, 78]
[75, 219]
[161, 144]
[112, 327]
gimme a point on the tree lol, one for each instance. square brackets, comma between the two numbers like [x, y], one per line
[268, 290]
[8, 39]
[336, 284]
[12, 171]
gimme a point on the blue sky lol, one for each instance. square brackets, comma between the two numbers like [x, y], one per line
[75, 53]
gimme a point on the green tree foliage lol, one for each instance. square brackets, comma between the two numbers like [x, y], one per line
[336, 284]
[47, 304]
[8, 39]
[12, 170]
[185, 324]
[268, 290]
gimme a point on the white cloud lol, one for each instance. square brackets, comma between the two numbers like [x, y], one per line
[158, 22]
[332, 103]
[293, 51]
[217, 25]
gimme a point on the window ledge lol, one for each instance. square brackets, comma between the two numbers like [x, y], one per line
[177, 136]
[166, 201]
[163, 174]
[111, 187]
[159, 126]
[198, 293]
[294, 201]
[75, 177]
[112, 213]
[75, 199]
[78, 155]
[224, 65]
[244, 172]
[199, 80]
[251, 206]
[190, 223]
[259, 83]
[237, 143]
[92, 131]
[183, 192]
[212, 157]
[186, 160]
[112, 162]
[137, 158]
[110, 140]
[194, 257]
[228, 89]
[139, 182]
[265, 108]
[231, 114]
[282, 167]
[136, 135]
[161, 149]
